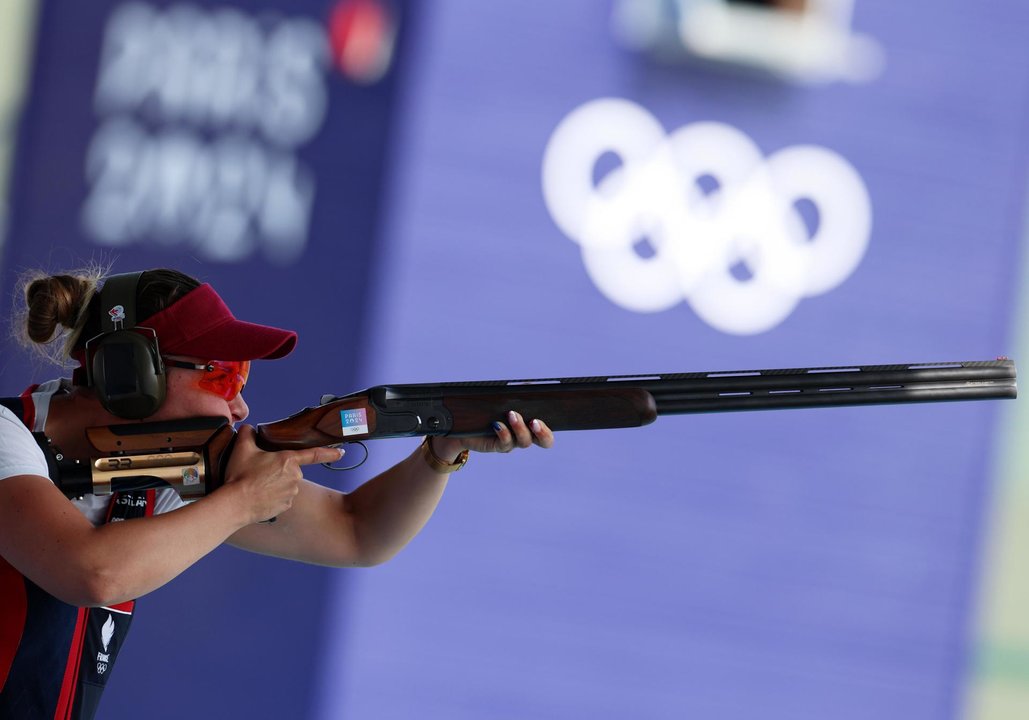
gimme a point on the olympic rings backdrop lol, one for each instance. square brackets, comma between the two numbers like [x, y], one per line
[462, 191]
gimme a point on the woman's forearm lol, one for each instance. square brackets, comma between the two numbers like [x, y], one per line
[86, 565]
[390, 509]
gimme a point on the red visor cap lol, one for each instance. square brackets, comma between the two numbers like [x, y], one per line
[201, 325]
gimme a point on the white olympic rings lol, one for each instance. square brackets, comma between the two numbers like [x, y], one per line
[741, 253]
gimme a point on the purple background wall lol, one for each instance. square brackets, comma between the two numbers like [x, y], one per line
[821, 563]
[792, 565]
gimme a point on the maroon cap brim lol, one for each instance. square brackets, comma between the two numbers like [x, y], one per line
[200, 324]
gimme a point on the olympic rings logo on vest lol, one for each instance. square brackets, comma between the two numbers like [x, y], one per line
[700, 215]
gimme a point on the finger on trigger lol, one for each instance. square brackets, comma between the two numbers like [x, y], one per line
[318, 455]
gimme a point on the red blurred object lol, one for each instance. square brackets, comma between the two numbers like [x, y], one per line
[362, 34]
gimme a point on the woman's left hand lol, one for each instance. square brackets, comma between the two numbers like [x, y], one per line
[515, 433]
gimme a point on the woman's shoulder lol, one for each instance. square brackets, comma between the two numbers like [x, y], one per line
[11, 424]
[19, 452]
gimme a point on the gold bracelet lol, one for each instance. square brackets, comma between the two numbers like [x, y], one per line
[441, 466]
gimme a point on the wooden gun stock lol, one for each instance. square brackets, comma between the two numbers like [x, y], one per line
[188, 456]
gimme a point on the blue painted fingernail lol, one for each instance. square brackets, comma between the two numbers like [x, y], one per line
[497, 425]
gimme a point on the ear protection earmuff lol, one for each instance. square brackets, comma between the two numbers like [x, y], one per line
[123, 362]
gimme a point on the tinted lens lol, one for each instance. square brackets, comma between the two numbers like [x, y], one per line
[225, 378]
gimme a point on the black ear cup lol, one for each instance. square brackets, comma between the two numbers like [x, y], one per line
[126, 377]
[123, 363]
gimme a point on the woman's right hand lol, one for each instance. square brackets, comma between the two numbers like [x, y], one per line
[268, 482]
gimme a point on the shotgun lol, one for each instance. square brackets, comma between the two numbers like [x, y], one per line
[147, 454]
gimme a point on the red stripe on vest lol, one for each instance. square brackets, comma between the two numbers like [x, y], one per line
[125, 607]
[29, 407]
[12, 622]
[71, 671]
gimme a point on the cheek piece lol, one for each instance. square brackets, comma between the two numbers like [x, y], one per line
[224, 378]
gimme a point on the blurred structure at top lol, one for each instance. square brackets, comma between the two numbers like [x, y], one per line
[800, 41]
[16, 19]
